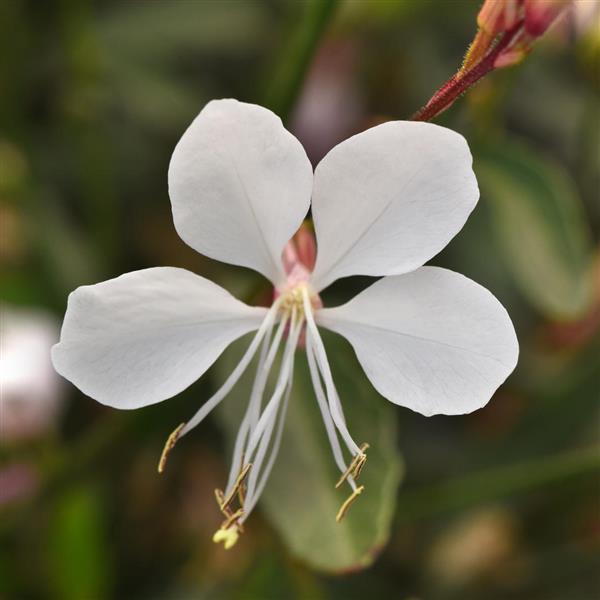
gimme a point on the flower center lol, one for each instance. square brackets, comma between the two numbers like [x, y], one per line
[292, 299]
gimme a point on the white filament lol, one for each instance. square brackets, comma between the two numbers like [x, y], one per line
[264, 367]
[255, 495]
[270, 410]
[326, 415]
[334, 403]
[212, 402]
[279, 408]
[261, 432]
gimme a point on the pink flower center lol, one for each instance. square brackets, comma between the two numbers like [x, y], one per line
[299, 256]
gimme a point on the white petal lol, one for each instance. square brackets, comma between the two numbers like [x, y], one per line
[432, 340]
[240, 185]
[387, 200]
[146, 336]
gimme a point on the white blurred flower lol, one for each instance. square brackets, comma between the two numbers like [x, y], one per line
[31, 391]
[383, 203]
[586, 17]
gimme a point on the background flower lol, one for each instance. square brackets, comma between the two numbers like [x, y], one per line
[32, 394]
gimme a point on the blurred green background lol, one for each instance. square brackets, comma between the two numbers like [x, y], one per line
[503, 503]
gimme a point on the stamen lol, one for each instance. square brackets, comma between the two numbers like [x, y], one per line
[229, 515]
[212, 402]
[253, 410]
[355, 466]
[361, 462]
[348, 503]
[273, 403]
[321, 356]
[220, 501]
[322, 402]
[275, 449]
[236, 487]
[169, 444]
[231, 518]
[241, 493]
[264, 429]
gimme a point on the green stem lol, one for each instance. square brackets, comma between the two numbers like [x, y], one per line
[296, 58]
[496, 483]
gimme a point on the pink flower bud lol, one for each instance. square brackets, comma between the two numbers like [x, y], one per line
[540, 14]
[497, 16]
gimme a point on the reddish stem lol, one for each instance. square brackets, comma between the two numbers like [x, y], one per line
[455, 86]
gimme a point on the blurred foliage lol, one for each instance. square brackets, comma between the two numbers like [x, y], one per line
[541, 228]
[78, 558]
[499, 504]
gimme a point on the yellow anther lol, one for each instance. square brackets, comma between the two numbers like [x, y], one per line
[360, 463]
[348, 503]
[292, 299]
[228, 536]
[227, 523]
[219, 497]
[171, 441]
[242, 493]
[237, 486]
[355, 466]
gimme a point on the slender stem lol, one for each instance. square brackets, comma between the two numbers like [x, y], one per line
[458, 84]
[296, 58]
[496, 483]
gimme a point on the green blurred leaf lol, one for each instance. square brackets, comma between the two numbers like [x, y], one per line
[300, 499]
[162, 30]
[64, 251]
[498, 482]
[77, 552]
[540, 227]
[296, 57]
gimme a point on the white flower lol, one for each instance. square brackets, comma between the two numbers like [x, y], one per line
[31, 399]
[383, 203]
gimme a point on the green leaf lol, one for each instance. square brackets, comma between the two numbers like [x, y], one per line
[498, 482]
[296, 56]
[300, 499]
[158, 32]
[540, 227]
[65, 252]
[77, 549]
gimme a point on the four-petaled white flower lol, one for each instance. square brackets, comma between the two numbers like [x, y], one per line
[384, 202]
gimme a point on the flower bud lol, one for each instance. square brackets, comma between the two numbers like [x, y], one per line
[497, 16]
[540, 14]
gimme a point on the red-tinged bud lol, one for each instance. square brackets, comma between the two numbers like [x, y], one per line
[306, 246]
[479, 47]
[511, 57]
[300, 251]
[497, 16]
[540, 14]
